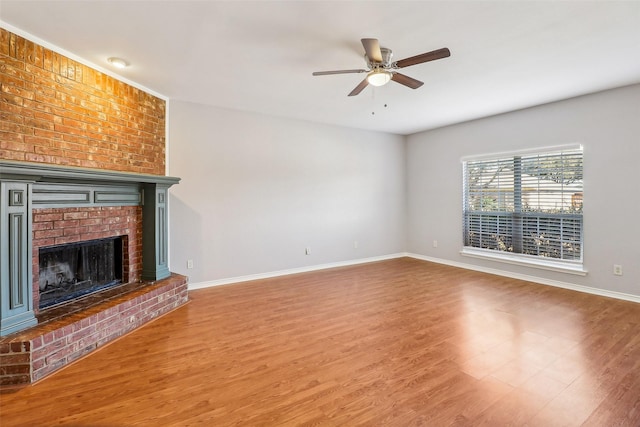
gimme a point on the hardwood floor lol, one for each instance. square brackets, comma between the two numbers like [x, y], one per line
[394, 343]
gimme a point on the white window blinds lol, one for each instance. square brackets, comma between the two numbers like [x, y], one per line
[528, 203]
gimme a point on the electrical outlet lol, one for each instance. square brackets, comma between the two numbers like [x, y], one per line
[307, 250]
[617, 269]
[435, 243]
[190, 263]
[355, 244]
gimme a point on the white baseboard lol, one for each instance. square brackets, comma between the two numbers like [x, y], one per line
[526, 277]
[228, 281]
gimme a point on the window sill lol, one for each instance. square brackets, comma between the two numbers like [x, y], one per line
[543, 264]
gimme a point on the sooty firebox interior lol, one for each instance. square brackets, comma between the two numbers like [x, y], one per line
[73, 270]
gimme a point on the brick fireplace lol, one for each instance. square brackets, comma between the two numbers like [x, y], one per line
[82, 157]
[43, 206]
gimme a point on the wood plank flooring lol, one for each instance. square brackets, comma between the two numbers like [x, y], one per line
[394, 343]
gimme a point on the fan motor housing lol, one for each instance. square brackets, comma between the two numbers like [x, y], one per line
[387, 54]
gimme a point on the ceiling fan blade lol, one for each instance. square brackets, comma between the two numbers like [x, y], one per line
[326, 73]
[406, 80]
[425, 57]
[359, 88]
[372, 48]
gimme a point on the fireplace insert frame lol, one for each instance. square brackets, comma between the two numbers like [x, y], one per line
[71, 271]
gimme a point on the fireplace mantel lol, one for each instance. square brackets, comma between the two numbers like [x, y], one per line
[38, 172]
[28, 186]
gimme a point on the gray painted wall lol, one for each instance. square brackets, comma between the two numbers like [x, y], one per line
[608, 126]
[255, 191]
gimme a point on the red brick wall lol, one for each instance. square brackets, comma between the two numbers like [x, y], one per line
[55, 226]
[57, 111]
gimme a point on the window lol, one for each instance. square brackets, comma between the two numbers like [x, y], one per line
[525, 207]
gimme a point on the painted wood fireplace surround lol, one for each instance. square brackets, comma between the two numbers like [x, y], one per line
[28, 187]
[82, 157]
[25, 190]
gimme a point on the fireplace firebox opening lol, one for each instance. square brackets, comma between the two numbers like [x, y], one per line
[71, 271]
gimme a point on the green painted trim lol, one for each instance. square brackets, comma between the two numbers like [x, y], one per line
[155, 249]
[47, 195]
[37, 172]
[16, 292]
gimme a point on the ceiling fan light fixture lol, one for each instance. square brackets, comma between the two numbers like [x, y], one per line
[380, 70]
[379, 77]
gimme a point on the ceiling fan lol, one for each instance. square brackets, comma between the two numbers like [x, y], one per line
[381, 70]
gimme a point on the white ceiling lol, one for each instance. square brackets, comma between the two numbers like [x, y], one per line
[258, 56]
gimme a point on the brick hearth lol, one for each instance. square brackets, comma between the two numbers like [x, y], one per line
[65, 334]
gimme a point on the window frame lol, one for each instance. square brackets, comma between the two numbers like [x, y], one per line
[575, 266]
